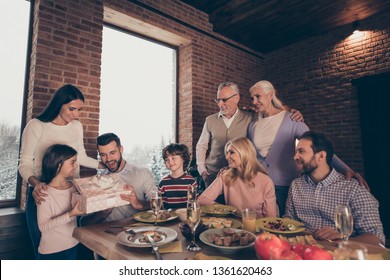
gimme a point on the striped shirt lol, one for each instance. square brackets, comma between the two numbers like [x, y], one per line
[174, 190]
[314, 204]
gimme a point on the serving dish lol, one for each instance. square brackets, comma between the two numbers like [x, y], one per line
[204, 237]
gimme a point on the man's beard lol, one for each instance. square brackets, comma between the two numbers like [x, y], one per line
[307, 168]
[118, 164]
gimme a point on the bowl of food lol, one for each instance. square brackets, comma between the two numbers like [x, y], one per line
[182, 213]
[186, 231]
[228, 241]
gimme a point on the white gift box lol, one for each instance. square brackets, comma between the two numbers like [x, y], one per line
[99, 193]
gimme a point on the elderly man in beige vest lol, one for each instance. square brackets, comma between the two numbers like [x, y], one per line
[229, 123]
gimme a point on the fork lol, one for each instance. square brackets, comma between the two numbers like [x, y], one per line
[154, 247]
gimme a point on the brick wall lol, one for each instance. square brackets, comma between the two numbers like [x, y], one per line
[67, 42]
[315, 76]
[67, 45]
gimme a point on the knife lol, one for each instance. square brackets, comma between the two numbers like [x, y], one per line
[155, 248]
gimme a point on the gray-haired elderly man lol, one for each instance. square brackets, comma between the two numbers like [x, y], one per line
[230, 122]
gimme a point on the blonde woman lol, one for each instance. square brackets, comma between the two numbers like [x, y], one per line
[245, 184]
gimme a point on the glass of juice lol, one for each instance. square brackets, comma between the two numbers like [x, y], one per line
[249, 219]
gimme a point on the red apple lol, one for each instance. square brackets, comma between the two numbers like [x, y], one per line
[299, 249]
[266, 243]
[316, 253]
[289, 255]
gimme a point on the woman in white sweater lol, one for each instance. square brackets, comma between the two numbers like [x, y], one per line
[57, 124]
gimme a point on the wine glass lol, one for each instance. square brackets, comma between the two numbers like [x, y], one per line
[191, 193]
[155, 204]
[193, 219]
[344, 221]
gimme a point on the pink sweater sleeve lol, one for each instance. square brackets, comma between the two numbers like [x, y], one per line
[209, 196]
[46, 221]
[270, 206]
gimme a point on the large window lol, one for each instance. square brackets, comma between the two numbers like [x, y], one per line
[14, 34]
[138, 97]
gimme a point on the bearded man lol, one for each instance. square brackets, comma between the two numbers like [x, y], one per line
[138, 180]
[312, 198]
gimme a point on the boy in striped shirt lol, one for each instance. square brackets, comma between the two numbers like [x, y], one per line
[173, 187]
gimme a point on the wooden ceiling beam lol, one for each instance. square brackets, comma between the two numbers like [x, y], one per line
[237, 12]
[208, 6]
[266, 24]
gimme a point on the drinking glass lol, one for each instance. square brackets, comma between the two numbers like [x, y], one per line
[344, 221]
[249, 219]
[191, 193]
[193, 219]
[155, 204]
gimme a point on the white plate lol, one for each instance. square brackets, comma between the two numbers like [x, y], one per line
[133, 241]
[148, 217]
[225, 249]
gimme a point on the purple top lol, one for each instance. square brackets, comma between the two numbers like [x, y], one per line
[279, 161]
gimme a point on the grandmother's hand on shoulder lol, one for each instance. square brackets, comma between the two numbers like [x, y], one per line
[296, 115]
[362, 182]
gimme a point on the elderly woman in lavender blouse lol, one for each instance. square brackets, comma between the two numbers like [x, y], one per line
[274, 134]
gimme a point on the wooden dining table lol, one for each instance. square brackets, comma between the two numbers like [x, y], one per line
[101, 239]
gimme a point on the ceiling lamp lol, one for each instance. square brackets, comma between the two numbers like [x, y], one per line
[355, 26]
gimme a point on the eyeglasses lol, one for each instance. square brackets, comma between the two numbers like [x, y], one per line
[217, 100]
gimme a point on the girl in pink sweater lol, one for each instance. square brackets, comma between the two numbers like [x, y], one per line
[56, 217]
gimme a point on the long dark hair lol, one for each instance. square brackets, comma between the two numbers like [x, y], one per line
[53, 159]
[63, 95]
